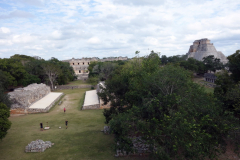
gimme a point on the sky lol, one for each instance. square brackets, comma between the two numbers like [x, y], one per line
[67, 29]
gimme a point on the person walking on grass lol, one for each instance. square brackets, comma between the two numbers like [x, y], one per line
[41, 127]
[64, 109]
[66, 122]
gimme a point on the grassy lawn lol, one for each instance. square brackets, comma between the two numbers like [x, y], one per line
[201, 81]
[82, 140]
[77, 82]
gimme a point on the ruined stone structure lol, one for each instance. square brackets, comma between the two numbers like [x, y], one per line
[23, 98]
[80, 66]
[210, 77]
[38, 146]
[91, 100]
[140, 147]
[203, 48]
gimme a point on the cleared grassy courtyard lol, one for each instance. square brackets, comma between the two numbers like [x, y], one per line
[82, 140]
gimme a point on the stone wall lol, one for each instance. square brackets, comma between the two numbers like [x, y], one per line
[83, 76]
[95, 106]
[23, 98]
[73, 87]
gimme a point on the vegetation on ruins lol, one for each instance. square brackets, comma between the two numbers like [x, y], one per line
[174, 115]
[22, 70]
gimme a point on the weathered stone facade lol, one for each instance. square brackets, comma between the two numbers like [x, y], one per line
[95, 106]
[80, 66]
[23, 98]
[140, 147]
[38, 146]
[203, 48]
[210, 77]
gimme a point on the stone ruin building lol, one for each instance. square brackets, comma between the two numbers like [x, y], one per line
[80, 66]
[203, 48]
[210, 77]
[93, 101]
[23, 98]
[38, 146]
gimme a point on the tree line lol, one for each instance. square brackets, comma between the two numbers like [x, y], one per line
[156, 99]
[22, 70]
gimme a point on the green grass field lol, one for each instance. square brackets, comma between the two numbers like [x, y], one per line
[82, 140]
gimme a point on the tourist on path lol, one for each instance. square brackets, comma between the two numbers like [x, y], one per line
[64, 110]
[66, 122]
[41, 127]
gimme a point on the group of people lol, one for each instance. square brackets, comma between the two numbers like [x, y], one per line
[66, 122]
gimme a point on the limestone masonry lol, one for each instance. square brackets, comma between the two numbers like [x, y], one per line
[80, 66]
[38, 146]
[23, 98]
[203, 48]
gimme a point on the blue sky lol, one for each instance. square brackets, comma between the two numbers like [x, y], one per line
[100, 28]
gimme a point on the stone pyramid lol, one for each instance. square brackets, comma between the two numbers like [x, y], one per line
[203, 48]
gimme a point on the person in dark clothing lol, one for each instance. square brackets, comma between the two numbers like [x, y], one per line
[66, 122]
[41, 127]
[64, 110]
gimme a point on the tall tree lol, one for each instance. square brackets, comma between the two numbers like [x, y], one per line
[5, 124]
[52, 71]
[5, 105]
[212, 64]
[234, 65]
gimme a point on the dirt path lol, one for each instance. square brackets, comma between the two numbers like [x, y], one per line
[67, 102]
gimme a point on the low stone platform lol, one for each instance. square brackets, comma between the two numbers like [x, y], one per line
[45, 104]
[91, 100]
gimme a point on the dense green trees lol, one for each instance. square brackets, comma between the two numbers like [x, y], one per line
[175, 116]
[212, 64]
[209, 63]
[5, 105]
[234, 65]
[5, 124]
[194, 65]
[100, 71]
[228, 85]
[22, 70]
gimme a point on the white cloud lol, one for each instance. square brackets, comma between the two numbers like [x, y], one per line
[5, 30]
[94, 40]
[69, 28]
[34, 47]
[23, 38]
[139, 2]
[17, 14]
[4, 42]
[38, 3]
